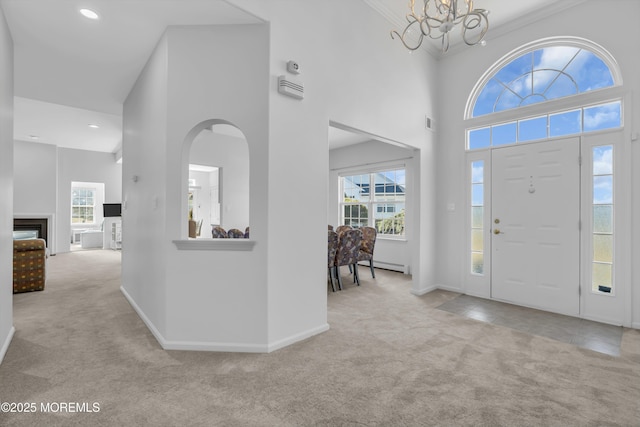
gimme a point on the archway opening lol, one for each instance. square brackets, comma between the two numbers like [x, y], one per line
[216, 170]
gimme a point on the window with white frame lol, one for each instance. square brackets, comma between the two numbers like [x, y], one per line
[375, 199]
[602, 219]
[83, 205]
[477, 217]
[545, 72]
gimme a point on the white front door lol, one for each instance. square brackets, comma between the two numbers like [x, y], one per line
[535, 225]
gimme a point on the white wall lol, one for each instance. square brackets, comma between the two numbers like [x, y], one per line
[6, 187]
[202, 199]
[35, 177]
[393, 254]
[83, 166]
[43, 174]
[144, 184]
[466, 68]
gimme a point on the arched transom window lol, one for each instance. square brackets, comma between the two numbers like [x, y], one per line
[544, 71]
[544, 74]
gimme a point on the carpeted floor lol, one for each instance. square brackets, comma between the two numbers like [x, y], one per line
[389, 359]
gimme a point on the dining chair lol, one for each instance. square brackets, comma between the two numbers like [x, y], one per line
[342, 228]
[234, 233]
[331, 256]
[347, 254]
[218, 232]
[367, 245]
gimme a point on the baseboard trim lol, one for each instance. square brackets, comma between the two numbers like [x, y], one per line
[156, 333]
[7, 342]
[635, 325]
[450, 288]
[297, 337]
[219, 346]
[424, 291]
[214, 347]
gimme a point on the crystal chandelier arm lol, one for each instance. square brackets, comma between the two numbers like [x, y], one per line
[404, 36]
[475, 20]
[439, 17]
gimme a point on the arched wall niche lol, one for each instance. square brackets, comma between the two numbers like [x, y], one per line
[220, 144]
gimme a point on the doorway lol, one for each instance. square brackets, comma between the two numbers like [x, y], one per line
[535, 225]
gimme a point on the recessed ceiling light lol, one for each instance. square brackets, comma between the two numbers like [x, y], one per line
[88, 13]
[93, 126]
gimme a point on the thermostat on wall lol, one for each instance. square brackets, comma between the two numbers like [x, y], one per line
[293, 67]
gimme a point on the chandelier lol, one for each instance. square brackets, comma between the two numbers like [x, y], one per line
[439, 17]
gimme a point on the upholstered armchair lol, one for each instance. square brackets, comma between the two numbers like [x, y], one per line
[331, 256]
[347, 254]
[29, 259]
[369, 235]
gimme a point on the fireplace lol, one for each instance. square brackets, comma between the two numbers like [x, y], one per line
[33, 224]
[42, 223]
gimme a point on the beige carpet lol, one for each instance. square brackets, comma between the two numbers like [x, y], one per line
[390, 359]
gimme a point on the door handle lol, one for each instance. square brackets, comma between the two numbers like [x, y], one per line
[497, 231]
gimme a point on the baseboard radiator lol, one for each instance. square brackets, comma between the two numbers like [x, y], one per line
[387, 266]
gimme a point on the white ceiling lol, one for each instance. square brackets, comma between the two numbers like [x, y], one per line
[71, 72]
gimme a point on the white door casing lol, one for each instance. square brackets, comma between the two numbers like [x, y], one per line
[535, 210]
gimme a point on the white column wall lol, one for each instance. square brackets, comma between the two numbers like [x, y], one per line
[459, 73]
[144, 147]
[217, 299]
[6, 187]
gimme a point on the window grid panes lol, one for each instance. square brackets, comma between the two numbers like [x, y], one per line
[477, 217]
[548, 73]
[83, 205]
[602, 220]
[563, 123]
[383, 209]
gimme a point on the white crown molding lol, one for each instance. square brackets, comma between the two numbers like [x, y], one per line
[532, 17]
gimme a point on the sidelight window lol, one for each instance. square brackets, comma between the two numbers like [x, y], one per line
[477, 217]
[602, 223]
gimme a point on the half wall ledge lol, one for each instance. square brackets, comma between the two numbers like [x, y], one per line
[215, 244]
